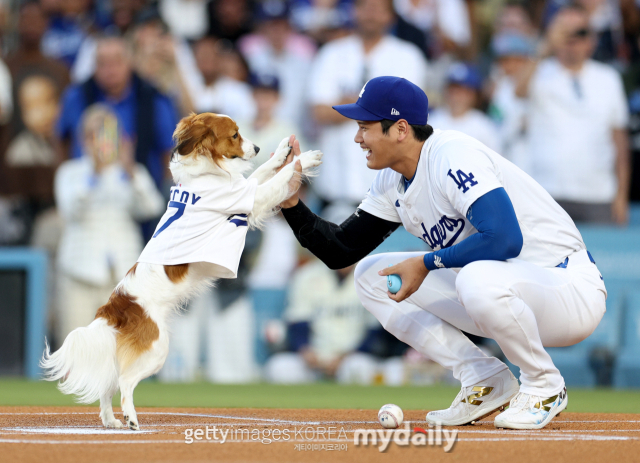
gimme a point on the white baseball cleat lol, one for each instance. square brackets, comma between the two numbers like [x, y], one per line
[528, 411]
[475, 402]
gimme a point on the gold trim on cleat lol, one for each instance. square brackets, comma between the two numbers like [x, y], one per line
[481, 391]
[543, 405]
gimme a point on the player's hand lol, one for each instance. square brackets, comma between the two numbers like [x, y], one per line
[412, 272]
[295, 182]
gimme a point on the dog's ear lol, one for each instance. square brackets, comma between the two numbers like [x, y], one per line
[220, 125]
[192, 131]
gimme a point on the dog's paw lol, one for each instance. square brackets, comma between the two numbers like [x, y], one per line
[281, 153]
[309, 160]
[116, 424]
[133, 425]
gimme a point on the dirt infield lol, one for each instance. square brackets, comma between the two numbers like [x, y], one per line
[62, 434]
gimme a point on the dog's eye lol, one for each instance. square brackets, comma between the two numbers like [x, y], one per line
[235, 136]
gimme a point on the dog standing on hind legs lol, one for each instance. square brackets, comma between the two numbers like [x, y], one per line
[198, 240]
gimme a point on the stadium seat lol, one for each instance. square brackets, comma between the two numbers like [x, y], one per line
[627, 369]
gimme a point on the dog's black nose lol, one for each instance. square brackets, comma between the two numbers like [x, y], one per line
[257, 148]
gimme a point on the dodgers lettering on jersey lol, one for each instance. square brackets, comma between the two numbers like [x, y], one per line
[205, 221]
[455, 170]
[444, 233]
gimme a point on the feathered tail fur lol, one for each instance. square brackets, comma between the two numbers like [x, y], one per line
[86, 363]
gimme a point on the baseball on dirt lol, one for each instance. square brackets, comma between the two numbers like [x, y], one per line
[390, 416]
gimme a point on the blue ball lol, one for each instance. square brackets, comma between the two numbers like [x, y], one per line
[394, 283]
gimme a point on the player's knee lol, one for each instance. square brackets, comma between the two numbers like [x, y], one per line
[476, 288]
[362, 271]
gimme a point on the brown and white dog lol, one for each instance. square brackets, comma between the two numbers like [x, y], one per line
[129, 338]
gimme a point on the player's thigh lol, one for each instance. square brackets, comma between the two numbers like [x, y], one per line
[372, 288]
[367, 269]
[567, 307]
[438, 295]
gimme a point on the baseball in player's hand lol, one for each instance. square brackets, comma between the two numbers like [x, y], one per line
[412, 272]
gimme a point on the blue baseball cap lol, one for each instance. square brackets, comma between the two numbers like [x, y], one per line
[464, 74]
[388, 97]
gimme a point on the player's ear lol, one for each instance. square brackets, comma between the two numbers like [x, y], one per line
[403, 129]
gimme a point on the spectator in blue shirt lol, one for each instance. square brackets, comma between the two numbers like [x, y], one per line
[148, 117]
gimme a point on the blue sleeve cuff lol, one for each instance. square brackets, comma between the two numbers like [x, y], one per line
[430, 260]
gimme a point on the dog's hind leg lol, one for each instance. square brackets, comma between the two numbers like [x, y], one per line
[127, 385]
[106, 411]
[149, 363]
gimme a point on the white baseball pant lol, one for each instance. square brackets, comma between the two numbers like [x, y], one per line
[521, 306]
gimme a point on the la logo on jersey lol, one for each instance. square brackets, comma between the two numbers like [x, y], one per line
[462, 180]
[395, 112]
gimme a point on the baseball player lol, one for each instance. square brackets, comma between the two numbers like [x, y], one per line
[507, 263]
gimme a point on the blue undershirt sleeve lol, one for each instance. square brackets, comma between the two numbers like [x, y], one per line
[499, 236]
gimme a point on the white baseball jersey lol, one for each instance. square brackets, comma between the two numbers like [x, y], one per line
[453, 172]
[206, 221]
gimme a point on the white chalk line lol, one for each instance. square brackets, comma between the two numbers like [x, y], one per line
[74, 431]
[277, 421]
[150, 428]
[203, 415]
[347, 441]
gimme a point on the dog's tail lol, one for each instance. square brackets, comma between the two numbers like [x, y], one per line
[86, 363]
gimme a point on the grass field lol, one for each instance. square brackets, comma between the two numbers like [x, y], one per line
[322, 395]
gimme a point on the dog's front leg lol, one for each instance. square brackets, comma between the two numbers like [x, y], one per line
[270, 194]
[266, 170]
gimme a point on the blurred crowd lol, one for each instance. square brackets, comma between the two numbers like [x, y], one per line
[91, 91]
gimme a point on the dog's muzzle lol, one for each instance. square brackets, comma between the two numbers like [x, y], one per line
[256, 149]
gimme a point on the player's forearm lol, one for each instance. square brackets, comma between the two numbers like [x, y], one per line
[338, 246]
